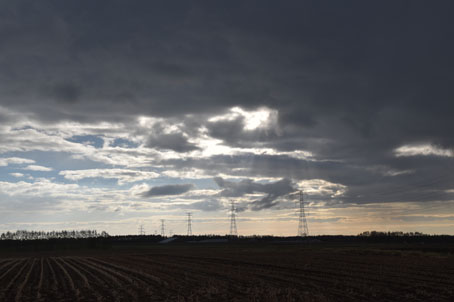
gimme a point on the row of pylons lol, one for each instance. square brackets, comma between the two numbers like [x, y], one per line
[303, 230]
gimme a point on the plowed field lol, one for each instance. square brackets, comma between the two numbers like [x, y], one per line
[230, 274]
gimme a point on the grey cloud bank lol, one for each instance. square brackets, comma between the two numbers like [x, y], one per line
[168, 190]
[272, 190]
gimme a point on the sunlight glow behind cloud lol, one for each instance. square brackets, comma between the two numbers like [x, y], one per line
[424, 150]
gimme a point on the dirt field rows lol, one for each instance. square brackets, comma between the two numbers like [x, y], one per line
[249, 274]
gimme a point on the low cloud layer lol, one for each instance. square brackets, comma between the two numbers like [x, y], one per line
[122, 175]
[168, 190]
[272, 190]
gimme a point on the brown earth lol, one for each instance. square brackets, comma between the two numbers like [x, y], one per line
[230, 273]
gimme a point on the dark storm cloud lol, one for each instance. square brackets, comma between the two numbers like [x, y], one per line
[232, 132]
[351, 81]
[247, 186]
[169, 141]
[347, 60]
[168, 190]
[66, 92]
[174, 141]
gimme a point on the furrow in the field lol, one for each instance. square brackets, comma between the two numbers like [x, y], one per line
[158, 269]
[5, 263]
[233, 280]
[67, 277]
[144, 287]
[367, 279]
[53, 275]
[24, 283]
[407, 267]
[397, 274]
[102, 287]
[402, 273]
[381, 274]
[81, 282]
[364, 275]
[6, 294]
[246, 273]
[76, 271]
[178, 281]
[10, 266]
[41, 279]
[120, 284]
[136, 273]
[385, 280]
[65, 285]
[231, 284]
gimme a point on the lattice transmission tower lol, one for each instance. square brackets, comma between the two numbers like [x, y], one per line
[163, 230]
[189, 224]
[303, 231]
[141, 230]
[233, 229]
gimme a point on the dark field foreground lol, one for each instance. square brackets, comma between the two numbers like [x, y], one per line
[196, 272]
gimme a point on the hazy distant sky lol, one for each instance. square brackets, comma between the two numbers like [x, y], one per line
[120, 113]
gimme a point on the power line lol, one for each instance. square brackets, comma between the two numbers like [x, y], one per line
[189, 224]
[233, 229]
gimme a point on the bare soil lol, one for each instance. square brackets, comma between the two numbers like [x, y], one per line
[230, 273]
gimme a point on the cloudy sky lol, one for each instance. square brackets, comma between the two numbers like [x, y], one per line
[120, 113]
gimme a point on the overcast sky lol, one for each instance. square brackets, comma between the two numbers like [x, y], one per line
[120, 113]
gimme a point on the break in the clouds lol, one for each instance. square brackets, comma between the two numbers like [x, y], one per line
[193, 105]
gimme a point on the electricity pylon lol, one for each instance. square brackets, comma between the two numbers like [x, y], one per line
[302, 223]
[233, 229]
[163, 230]
[141, 230]
[189, 224]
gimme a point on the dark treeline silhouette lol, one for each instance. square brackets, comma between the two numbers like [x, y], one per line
[40, 235]
[365, 237]
[76, 240]
[390, 234]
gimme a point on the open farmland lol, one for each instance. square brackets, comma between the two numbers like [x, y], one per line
[230, 273]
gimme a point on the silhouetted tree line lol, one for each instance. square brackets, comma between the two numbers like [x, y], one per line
[390, 234]
[40, 235]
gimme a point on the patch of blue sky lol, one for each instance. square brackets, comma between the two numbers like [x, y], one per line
[57, 160]
[16, 174]
[70, 218]
[91, 140]
[5, 174]
[99, 182]
[23, 128]
[124, 143]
